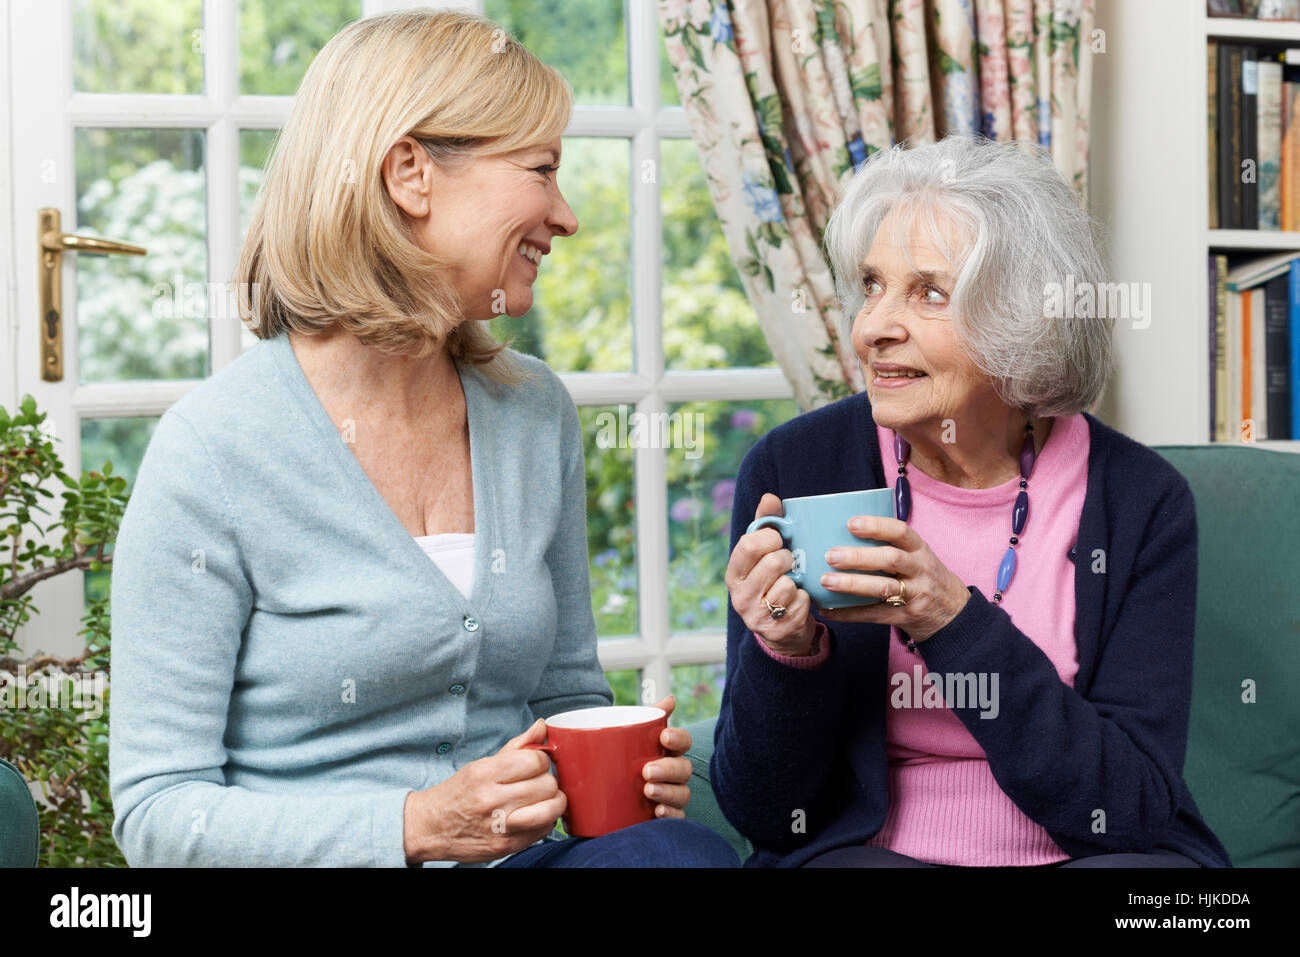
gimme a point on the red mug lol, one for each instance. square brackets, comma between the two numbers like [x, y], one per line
[599, 754]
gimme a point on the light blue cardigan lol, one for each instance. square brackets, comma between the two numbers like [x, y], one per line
[287, 664]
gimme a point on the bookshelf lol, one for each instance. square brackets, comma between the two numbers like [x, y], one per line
[1148, 186]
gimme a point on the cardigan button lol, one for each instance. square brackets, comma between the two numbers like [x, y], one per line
[457, 688]
[471, 624]
[443, 748]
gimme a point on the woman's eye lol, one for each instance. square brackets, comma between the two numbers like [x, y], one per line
[933, 297]
[871, 286]
[546, 170]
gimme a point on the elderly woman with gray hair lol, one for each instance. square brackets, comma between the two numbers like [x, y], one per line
[1034, 550]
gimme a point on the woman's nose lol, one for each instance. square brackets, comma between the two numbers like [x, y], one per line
[881, 322]
[562, 217]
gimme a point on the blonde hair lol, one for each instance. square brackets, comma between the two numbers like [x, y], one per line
[326, 244]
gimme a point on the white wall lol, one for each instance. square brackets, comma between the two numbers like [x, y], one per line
[1147, 186]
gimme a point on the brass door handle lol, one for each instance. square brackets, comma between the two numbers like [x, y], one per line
[53, 243]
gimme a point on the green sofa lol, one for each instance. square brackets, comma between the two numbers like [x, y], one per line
[1243, 757]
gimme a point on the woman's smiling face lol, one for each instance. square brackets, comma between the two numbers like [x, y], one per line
[481, 215]
[916, 370]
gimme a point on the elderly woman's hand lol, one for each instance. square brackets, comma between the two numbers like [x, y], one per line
[933, 596]
[757, 571]
[488, 809]
[666, 777]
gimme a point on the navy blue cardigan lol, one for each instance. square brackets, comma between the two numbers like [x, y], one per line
[799, 764]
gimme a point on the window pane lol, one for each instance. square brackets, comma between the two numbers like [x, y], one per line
[611, 524]
[143, 317]
[583, 39]
[708, 321]
[122, 442]
[278, 40]
[708, 441]
[581, 320]
[254, 152]
[698, 690]
[626, 686]
[137, 46]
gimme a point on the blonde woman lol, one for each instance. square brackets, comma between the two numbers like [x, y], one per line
[352, 580]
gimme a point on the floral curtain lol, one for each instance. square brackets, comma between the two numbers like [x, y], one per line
[786, 98]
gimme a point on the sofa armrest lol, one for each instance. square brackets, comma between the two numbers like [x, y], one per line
[20, 832]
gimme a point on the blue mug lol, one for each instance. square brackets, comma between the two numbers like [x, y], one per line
[815, 524]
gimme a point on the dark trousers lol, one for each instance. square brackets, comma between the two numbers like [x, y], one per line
[663, 842]
[865, 856]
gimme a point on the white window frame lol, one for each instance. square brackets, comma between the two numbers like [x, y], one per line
[221, 113]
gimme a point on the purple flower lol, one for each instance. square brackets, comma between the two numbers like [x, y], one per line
[723, 495]
[687, 618]
[605, 557]
[684, 509]
[709, 604]
[743, 419]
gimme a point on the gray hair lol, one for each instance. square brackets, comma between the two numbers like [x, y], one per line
[1024, 230]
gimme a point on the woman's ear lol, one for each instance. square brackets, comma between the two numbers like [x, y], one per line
[409, 174]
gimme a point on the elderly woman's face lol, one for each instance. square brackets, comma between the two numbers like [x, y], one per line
[493, 222]
[916, 371]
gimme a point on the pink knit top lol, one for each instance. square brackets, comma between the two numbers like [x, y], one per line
[945, 806]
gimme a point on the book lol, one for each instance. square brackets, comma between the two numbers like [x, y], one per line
[1249, 178]
[1219, 367]
[1277, 358]
[1250, 274]
[1286, 175]
[1212, 151]
[1294, 330]
[1232, 359]
[1246, 420]
[1252, 360]
[1229, 158]
[1290, 175]
[1268, 123]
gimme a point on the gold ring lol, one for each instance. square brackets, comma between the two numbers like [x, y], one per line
[776, 611]
[900, 599]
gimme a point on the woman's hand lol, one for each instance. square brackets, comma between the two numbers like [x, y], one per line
[934, 595]
[488, 809]
[756, 570]
[666, 777]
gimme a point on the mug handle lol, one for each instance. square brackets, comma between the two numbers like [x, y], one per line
[548, 748]
[783, 524]
[780, 521]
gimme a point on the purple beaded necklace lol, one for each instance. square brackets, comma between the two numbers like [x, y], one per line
[1019, 511]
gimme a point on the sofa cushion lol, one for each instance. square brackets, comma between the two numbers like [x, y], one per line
[703, 807]
[19, 826]
[1243, 748]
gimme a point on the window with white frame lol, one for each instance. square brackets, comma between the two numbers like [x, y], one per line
[174, 109]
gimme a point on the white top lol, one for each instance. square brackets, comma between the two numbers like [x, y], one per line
[453, 553]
